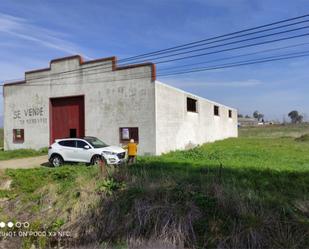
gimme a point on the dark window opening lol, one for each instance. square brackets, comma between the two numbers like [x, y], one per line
[230, 113]
[127, 133]
[191, 105]
[73, 133]
[18, 136]
[81, 144]
[68, 143]
[216, 110]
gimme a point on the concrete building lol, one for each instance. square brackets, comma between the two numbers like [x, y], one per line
[73, 98]
[244, 122]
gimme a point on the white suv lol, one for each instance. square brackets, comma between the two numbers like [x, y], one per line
[87, 150]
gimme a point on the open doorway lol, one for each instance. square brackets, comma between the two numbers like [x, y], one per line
[73, 133]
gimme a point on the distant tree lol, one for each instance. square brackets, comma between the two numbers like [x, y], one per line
[258, 115]
[247, 116]
[295, 117]
[300, 119]
[240, 115]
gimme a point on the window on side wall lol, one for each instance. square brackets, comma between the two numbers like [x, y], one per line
[216, 110]
[191, 105]
[127, 133]
[18, 136]
[230, 113]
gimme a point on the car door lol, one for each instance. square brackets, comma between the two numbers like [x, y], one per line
[68, 150]
[83, 155]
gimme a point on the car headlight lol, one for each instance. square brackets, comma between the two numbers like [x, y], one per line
[109, 153]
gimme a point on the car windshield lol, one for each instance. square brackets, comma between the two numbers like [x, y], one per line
[95, 142]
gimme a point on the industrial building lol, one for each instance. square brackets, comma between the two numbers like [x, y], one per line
[74, 98]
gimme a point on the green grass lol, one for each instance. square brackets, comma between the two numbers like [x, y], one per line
[1, 137]
[21, 153]
[279, 154]
[246, 192]
[275, 131]
[26, 182]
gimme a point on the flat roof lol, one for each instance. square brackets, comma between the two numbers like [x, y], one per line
[194, 95]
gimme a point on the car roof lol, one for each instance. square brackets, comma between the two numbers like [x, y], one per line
[88, 137]
[74, 138]
[69, 138]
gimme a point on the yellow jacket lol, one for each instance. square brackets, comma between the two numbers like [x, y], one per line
[132, 149]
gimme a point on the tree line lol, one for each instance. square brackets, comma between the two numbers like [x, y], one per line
[294, 115]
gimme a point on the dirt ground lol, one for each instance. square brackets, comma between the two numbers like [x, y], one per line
[24, 163]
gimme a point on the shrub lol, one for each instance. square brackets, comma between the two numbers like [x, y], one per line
[303, 138]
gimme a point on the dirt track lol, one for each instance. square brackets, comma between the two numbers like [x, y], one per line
[24, 163]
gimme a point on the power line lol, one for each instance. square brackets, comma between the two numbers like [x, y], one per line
[229, 38]
[193, 70]
[245, 62]
[229, 43]
[82, 70]
[47, 79]
[238, 32]
[234, 48]
[220, 36]
[237, 56]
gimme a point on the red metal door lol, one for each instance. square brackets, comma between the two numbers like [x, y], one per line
[67, 117]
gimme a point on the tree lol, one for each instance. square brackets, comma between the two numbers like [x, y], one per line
[240, 115]
[295, 117]
[300, 119]
[258, 115]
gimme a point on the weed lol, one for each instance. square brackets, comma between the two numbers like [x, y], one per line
[109, 186]
[303, 138]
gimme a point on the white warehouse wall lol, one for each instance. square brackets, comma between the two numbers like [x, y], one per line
[113, 99]
[176, 128]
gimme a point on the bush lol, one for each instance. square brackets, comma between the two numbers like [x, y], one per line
[303, 138]
[109, 186]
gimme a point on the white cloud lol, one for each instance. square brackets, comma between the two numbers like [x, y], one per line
[22, 29]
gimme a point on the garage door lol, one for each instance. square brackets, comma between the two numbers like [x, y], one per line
[67, 117]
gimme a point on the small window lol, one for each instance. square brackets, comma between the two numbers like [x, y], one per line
[127, 133]
[216, 110]
[191, 105]
[18, 136]
[81, 144]
[68, 143]
[230, 113]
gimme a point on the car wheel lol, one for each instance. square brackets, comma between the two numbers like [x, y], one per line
[56, 161]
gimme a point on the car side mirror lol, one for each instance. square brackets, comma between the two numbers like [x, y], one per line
[86, 147]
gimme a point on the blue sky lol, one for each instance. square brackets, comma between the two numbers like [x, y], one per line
[33, 32]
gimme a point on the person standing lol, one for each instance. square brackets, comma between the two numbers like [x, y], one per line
[132, 151]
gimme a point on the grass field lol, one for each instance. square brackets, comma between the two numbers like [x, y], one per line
[21, 153]
[246, 192]
[275, 131]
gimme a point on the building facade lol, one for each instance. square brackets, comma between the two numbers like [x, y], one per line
[244, 122]
[73, 98]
